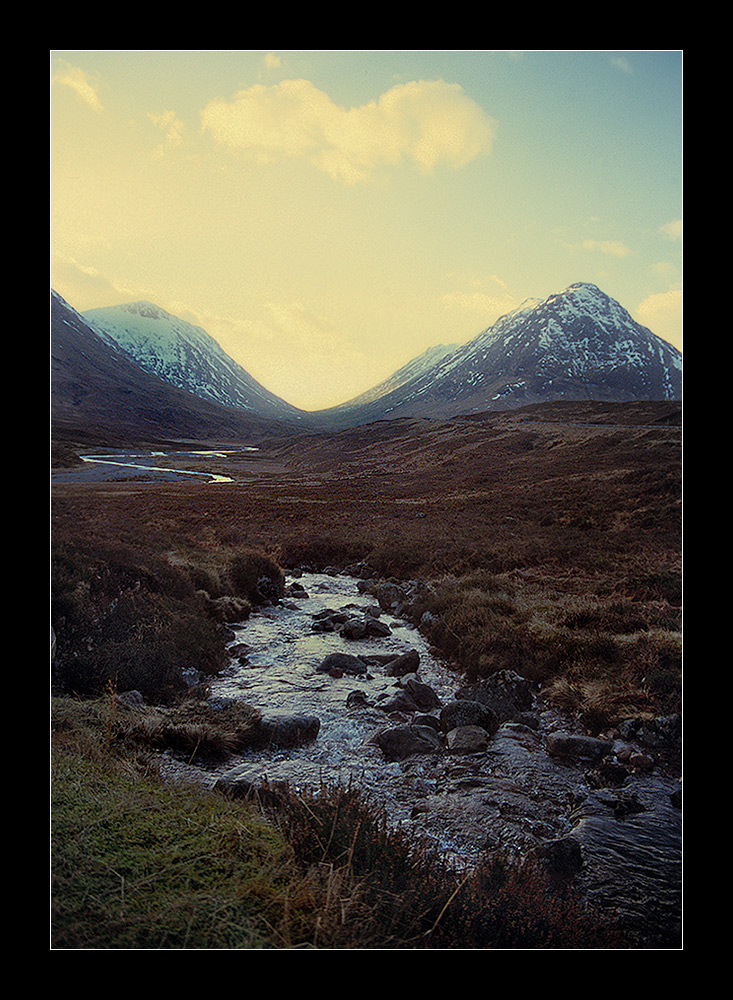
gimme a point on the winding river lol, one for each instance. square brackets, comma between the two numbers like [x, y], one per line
[155, 466]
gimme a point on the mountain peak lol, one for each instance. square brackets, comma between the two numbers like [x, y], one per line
[186, 356]
[145, 309]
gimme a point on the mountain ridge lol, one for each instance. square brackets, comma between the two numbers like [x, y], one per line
[185, 355]
[98, 395]
[578, 344]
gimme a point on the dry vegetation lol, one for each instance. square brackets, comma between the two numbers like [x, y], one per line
[553, 546]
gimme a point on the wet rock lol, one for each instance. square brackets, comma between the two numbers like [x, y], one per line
[406, 663]
[505, 692]
[609, 773]
[623, 804]
[356, 628]
[663, 731]
[576, 746]
[407, 741]
[376, 629]
[401, 701]
[563, 857]
[289, 731]
[468, 713]
[467, 739]
[344, 662]
[356, 699]
[423, 696]
[641, 762]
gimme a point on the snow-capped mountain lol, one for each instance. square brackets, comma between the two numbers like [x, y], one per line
[186, 356]
[100, 394]
[576, 345]
[412, 370]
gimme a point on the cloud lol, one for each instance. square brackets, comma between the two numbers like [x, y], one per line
[622, 63]
[422, 122]
[613, 248]
[81, 83]
[172, 127]
[662, 314]
[672, 229]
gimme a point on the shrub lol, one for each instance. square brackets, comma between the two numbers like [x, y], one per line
[141, 642]
[255, 575]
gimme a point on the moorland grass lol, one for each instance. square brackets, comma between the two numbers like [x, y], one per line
[552, 552]
[139, 863]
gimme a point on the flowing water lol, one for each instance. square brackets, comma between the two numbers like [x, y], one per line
[513, 795]
[279, 676]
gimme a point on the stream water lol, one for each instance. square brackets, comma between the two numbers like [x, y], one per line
[514, 795]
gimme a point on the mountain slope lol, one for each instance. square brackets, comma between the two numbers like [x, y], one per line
[576, 345]
[186, 356]
[99, 395]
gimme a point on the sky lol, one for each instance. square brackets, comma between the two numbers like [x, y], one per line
[328, 215]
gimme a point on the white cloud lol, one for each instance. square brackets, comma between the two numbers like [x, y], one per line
[662, 314]
[422, 122]
[81, 83]
[673, 229]
[490, 304]
[613, 248]
[172, 127]
[622, 63]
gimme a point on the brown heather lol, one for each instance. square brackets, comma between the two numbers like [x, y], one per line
[552, 541]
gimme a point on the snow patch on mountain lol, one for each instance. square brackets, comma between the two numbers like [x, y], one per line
[185, 355]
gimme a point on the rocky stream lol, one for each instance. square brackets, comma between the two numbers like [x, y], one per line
[351, 691]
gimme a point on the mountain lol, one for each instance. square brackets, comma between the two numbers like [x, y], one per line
[576, 345]
[186, 356]
[98, 395]
[413, 370]
[135, 369]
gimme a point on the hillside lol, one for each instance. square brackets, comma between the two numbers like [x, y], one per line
[576, 345]
[99, 396]
[186, 356]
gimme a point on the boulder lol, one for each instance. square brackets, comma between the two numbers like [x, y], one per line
[563, 857]
[467, 739]
[407, 741]
[468, 713]
[505, 692]
[406, 663]
[289, 731]
[355, 628]
[343, 662]
[573, 745]
[422, 695]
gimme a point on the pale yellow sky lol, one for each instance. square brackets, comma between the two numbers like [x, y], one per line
[327, 216]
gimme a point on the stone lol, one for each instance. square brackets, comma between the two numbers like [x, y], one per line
[573, 745]
[423, 695]
[467, 739]
[289, 730]
[407, 741]
[468, 713]
[355, 628]
[563, 857]
[406, 663]
[505, 692]
[344, 662]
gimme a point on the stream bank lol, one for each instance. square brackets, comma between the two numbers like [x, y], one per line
[363, 699]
